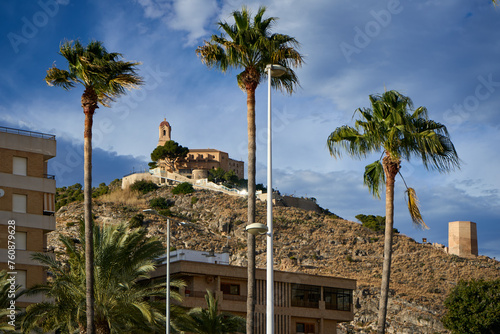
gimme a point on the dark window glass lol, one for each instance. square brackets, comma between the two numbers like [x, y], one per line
[306, 295]
[230, 289]
[337, 299]
[304, 328]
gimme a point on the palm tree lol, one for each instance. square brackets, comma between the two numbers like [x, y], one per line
[210, 320]
[392, 127]
[104, 78]
[250, 46]
[124, 303]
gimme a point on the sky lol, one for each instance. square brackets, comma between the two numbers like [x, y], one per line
[443, 54]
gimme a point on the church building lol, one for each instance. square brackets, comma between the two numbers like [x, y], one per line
[200, 159]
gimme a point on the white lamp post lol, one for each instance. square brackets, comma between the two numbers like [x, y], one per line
[258, 228]
[167, 270]
[276, 71]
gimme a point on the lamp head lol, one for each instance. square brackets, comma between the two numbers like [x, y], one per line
[256, 229]
[276, 70]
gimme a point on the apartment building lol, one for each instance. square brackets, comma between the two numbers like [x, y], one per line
[303, 303]
[27, 202]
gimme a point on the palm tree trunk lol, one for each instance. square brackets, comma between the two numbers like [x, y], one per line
[89, 104]
[391, 169]
[251, 209]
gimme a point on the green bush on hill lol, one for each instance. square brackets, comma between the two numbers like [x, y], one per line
[103, 189]
[160, 203]
[473, 307]
[183, 188]
[66, 195]
[374, 223]
[143, 186]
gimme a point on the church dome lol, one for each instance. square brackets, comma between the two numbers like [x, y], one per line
[165, 123]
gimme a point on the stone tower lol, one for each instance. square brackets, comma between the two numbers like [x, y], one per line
[462, 238]
[165, 131]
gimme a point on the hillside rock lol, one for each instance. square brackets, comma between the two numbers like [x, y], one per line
[310, 242]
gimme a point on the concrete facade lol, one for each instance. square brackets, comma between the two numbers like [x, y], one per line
[201, 159]
[462, 238]
[304, 303]
[27, 202]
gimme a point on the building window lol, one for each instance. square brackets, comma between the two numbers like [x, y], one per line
[19, 203]
[337, 299]
[306, 295]
[21, 278]
[164, 132]
[49, 204]
[20, 240]
[20, 166]
[230, 289]
[305, 328]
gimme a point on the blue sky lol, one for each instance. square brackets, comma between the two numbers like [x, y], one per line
[444, 54]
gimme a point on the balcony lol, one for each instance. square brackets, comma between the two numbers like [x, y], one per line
[28, 141]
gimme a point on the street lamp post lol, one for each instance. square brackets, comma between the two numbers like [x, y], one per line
[258, 228]
[167, 271]
[276, 71]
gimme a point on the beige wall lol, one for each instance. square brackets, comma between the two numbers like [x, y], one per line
[25, 143]
[35, 238]
[128, 180]
[36, 163]
[34, 203]
[211, 159]
[37, 148]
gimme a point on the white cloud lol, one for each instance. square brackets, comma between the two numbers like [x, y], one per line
[191, 16]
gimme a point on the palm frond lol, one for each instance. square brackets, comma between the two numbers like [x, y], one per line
[413, 208]
[59, 78]
[248, 45]
[92, 66]
[374, 178]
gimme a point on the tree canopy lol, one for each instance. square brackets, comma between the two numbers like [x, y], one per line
[170, 153]
[123, 304]
[473, 307]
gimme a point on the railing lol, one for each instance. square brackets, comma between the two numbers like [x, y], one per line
[305, 303]
[27, 133]
[49, 176]
[234, 297]
[196, 294]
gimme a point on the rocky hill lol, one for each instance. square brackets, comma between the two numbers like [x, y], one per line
[315, 243]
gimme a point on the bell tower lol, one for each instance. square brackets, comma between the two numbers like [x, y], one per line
[165, 131]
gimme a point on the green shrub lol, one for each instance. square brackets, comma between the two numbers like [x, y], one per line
[160, 203]
[194, 200]
[473, 307]
[103, 189]
[183, 188]
[136, 221]
[143, 186]
[166, 212]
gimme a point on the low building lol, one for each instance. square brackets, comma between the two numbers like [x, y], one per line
[27, 204]
[304, 304]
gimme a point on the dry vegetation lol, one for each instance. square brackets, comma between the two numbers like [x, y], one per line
[124, 197]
